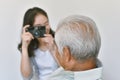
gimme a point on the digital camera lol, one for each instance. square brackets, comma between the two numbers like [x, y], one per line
[37, 31]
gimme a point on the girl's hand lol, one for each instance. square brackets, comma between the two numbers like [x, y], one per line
[49, 40]
[26, 37]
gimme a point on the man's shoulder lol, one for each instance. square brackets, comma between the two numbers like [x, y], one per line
[61, 74]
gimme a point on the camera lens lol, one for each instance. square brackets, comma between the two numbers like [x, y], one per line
[36, 33]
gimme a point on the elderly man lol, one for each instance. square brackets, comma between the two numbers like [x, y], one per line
[78, 44]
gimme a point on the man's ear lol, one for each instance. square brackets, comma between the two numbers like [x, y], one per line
[66, 54]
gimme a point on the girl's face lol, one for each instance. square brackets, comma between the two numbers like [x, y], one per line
[42, 20]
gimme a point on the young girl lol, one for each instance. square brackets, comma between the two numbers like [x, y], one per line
[36, 59]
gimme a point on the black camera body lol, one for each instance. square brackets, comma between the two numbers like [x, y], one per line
[37, 31]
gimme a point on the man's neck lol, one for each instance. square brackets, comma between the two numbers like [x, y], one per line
[84, 65]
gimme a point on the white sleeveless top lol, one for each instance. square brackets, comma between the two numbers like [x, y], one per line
[45, 63]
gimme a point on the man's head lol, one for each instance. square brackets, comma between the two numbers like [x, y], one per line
[77, 39]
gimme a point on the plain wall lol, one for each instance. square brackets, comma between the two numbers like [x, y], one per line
[106, 14]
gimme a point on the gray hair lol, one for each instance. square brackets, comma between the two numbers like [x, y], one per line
[80, 34]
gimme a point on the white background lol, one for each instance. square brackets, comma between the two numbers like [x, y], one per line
[106, 14]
